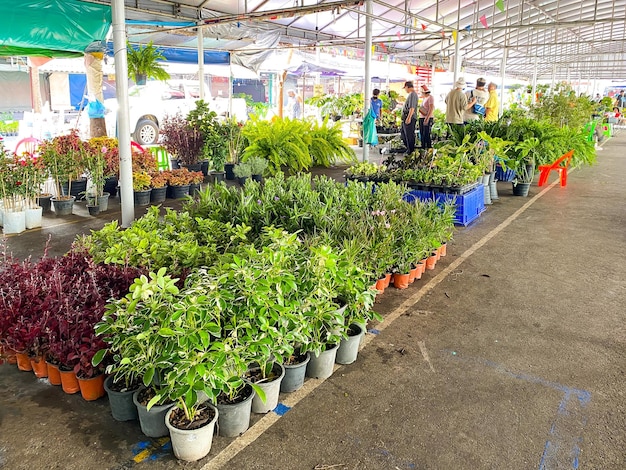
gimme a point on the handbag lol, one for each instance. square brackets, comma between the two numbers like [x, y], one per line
[478, 108]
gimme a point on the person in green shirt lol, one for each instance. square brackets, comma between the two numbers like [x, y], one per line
[492, 105]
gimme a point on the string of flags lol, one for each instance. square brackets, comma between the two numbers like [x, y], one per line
[483, 20]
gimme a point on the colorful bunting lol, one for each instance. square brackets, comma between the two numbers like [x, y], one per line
[454, 34]
[383, 47]
[399, 35]
[483, 20]
[500, 5]
[468, 28]
[423, 27]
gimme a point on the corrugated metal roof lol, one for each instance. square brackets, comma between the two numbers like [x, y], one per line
[563, 39]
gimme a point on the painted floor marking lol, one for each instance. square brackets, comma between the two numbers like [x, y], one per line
[562, 448]
[148, 450]
[243, 441]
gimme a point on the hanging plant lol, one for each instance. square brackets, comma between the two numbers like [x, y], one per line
[143, 63]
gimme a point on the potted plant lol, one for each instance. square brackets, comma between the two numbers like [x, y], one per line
[522, 161]
[231, 131]
[195, 182]
[143, 63]
[282, 142]
[178, 183]
[166, 352]
[142, 187]
[64, 158]
[181, 139]
[242, 172]
[142, 352]
[257, 167]
[158, 180]
[214, 143]
[95, 166]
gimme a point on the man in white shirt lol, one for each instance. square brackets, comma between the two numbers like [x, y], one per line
[479, 96]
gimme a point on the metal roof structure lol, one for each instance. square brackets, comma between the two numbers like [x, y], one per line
[560, 39]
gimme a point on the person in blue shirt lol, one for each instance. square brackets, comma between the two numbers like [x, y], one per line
[376, 103]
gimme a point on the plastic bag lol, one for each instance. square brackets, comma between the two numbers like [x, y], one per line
[95, 109]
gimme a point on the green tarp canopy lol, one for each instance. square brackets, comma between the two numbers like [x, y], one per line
[51, 28]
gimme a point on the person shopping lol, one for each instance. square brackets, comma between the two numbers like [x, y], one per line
[426, 111]
[409, 118]
[376, 103]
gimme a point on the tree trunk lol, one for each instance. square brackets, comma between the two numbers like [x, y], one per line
[97, 127]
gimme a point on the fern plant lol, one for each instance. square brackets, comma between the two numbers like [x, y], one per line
[143, 63]
[328, 146]
[282, 142]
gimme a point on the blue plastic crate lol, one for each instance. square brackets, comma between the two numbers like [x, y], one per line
[469, 206]
[501, 175]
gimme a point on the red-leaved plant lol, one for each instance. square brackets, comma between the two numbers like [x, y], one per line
[51, 307]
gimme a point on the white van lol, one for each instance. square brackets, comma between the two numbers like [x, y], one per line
[149, 104]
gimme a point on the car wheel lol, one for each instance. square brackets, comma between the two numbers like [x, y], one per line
[146, 133]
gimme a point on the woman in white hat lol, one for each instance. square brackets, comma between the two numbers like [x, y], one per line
[426, 112]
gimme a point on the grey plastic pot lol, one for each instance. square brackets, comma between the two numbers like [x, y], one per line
[271, 389]
[122, 406]
[192, 444]
[349, 347]
[234, 419]
[321, 366]
[294, 376]
[152, 421]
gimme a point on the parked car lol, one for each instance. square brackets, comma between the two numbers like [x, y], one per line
[149, 104]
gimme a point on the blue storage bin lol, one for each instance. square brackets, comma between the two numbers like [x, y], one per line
[469, 206]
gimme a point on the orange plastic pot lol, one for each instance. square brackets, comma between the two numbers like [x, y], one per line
[54, 376]
[23, 362]
[380, 284]
[413, 275]
[93, 388]
[437, 253]
[9, 355]
[443, 249]
[39, 367]
[387, 280]
[431, 261]
[421, 267]
[401, 281]
[69, 382]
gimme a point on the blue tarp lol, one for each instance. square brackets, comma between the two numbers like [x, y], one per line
[186, 56]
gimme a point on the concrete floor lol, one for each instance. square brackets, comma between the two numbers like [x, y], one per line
[511, 354]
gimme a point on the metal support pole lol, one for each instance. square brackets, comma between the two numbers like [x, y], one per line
[201, 63]
[534, 90]
[123, 120]
[368, 76]
[503, 79]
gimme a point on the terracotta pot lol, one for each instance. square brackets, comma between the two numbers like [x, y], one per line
[380, 284]
[69, 382]
[93, 388]
[443, 249]
[54, 376]
[387, 280]
[23, 362]
[39, 367]
[413, 275]
[431, 261]
[401, 281]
